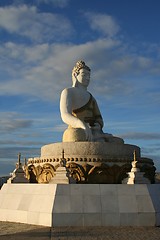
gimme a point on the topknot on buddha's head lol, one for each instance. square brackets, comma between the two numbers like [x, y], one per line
[79, 65]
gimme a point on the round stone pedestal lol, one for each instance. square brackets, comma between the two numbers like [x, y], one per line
[100, 150]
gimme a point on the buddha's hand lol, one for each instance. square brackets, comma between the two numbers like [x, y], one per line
[88, 132]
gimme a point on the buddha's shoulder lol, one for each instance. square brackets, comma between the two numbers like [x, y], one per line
[70, 90]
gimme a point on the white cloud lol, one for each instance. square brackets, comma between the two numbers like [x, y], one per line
[24, 54]
[39, 27]
[103, 23]
[57, 3]
[43, 70]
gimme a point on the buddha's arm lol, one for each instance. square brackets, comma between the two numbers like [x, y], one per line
[66, 105]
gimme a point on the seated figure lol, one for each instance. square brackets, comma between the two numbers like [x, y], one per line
[80, 111]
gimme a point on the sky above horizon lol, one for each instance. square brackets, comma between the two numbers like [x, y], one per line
[40, 41]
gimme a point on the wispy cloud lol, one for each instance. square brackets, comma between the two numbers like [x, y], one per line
[18, 130]
[11, 121]
[56, 3]
[141, 136]
[60, 128]
[12, 152]
[102, 23]
[152, 151]
[28, 22]
[21, 143]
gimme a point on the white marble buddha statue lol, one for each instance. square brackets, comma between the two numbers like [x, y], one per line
[80, 111]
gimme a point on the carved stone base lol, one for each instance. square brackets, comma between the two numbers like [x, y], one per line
[88, 162]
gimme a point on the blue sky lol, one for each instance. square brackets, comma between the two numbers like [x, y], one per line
[40, 41]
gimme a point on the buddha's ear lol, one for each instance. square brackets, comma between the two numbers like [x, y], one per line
[74, 79]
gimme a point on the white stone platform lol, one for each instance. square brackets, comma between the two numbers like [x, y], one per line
[81, 204]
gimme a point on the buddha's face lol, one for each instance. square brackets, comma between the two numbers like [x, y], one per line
[84, 77]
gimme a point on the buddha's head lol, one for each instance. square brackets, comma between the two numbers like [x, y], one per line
[81, 74]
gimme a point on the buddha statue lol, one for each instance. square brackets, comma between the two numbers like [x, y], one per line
[80, 111]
